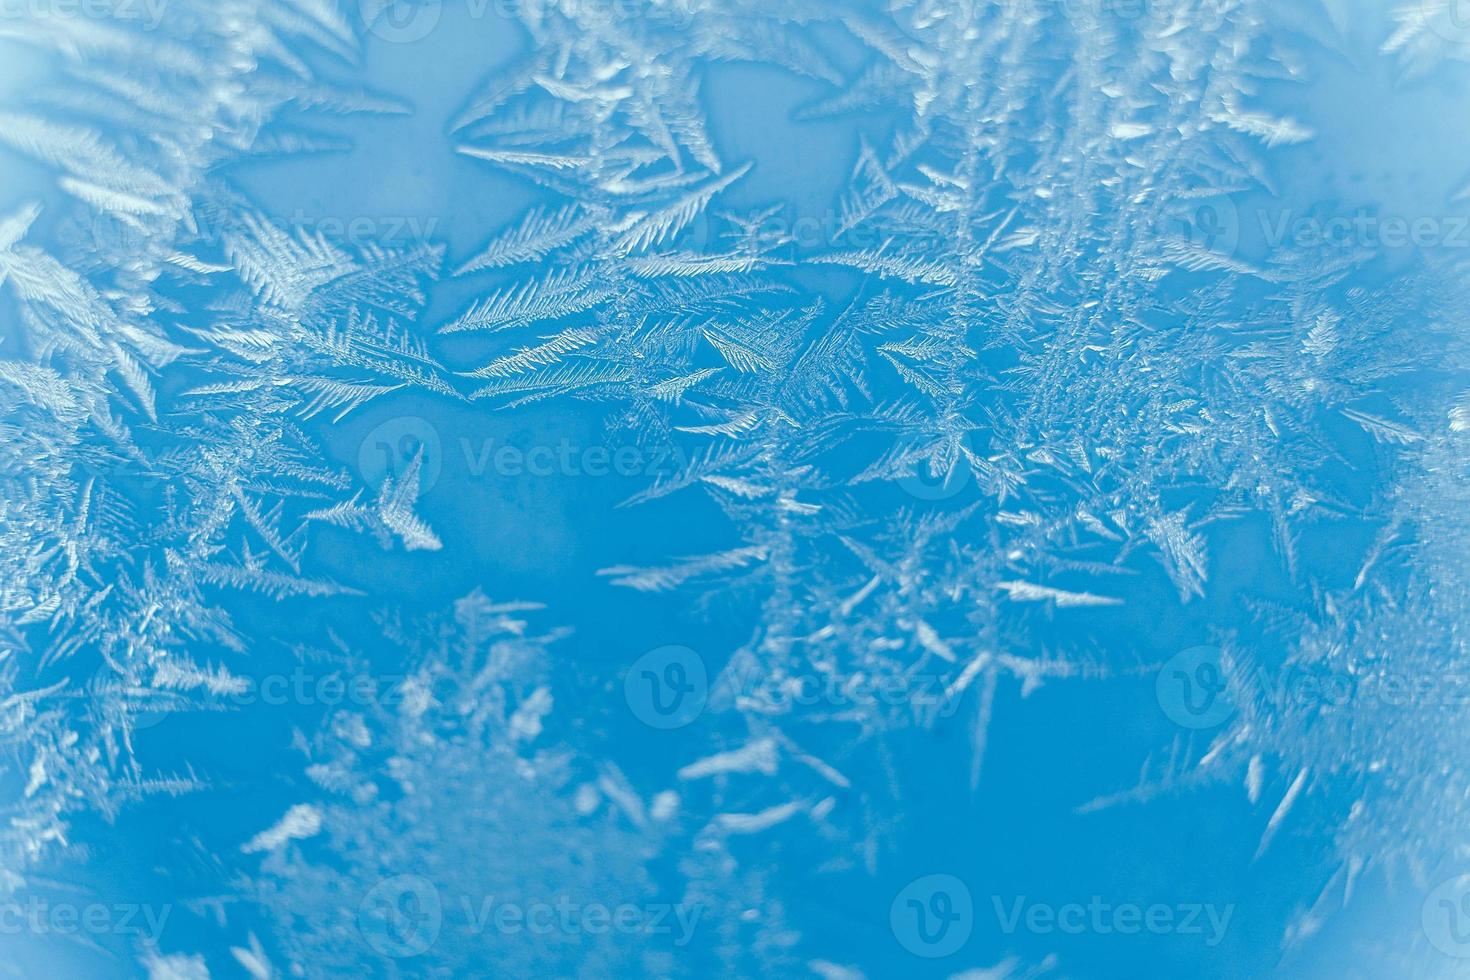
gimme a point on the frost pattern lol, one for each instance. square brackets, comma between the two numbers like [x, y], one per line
[130, 504]
[1042, 397]
[459, 781]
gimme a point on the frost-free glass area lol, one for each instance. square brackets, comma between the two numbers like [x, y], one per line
[622, 488]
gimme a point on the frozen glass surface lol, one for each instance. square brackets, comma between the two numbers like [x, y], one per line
[734, 488]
